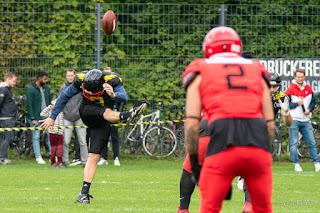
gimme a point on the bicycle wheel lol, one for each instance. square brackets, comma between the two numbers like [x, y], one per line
[181, 149]
[159, 141]
[276, 143]
[22, 139]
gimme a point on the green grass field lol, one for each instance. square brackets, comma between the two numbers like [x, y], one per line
[140, 184]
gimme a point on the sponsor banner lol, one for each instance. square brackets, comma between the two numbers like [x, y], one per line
[286, 68]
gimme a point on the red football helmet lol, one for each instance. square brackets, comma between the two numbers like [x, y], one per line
[221, 39]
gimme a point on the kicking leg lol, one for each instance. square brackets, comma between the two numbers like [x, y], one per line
[132, 115]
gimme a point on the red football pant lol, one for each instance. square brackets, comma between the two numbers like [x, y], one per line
[252, 163]
[202, 150]
[56, 142]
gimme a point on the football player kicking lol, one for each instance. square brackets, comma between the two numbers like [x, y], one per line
[99, 90]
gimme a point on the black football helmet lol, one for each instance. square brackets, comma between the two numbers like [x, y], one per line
[93, 84]
[275, 80]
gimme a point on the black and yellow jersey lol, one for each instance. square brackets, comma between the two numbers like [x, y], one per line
[114, 79]
[276, 106]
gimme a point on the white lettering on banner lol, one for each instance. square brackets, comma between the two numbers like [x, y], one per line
[286, 68]
[314, 85]
[284, 85]
[300, 66]
[293, 65]
[279, 67]
[286, 71]
[271, 66]
[308, 67]
[316, 68]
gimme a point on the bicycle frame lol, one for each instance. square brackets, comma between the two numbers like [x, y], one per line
[154, 117]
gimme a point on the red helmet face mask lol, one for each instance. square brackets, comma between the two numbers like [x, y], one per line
[220, 40]
[92, 86]
[88, 95]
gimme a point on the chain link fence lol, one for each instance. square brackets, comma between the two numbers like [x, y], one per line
[152, 45]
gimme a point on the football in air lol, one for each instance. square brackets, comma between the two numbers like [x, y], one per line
[109, 22]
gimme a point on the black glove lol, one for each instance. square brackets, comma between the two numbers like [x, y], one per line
[195, 168]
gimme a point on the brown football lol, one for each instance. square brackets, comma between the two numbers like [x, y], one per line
[109, 22]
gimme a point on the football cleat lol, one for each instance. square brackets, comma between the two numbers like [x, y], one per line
[84, 198]
[136, 111]
[247, 208]
[182, 211]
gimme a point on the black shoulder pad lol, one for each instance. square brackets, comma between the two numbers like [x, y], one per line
[266, 77]
[187, 79]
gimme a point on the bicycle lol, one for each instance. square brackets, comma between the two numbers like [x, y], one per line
[22, 140]
[156, 140]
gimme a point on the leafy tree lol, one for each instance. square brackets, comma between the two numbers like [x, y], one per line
[153, 43]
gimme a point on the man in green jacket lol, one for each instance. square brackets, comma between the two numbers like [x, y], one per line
[38, 98]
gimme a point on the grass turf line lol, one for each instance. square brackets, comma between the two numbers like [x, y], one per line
[140, 184]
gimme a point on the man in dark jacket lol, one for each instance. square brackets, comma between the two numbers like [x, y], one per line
[8, 111]
[38, 98]
[72, 118]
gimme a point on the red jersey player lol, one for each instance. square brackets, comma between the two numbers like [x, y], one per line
[223, 83]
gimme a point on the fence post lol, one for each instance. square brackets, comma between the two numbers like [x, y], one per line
[222, 10]
[97, 30]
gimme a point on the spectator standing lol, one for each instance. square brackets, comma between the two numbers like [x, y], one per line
[38, 98]
[8, 111]
[56, 136]
[240, 133]
[72, 118]
[302, 102]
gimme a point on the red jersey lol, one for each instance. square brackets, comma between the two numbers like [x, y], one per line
[231, 90]
[231, 87]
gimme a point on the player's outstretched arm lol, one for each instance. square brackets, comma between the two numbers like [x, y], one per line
[62, 100]
[49, 122]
